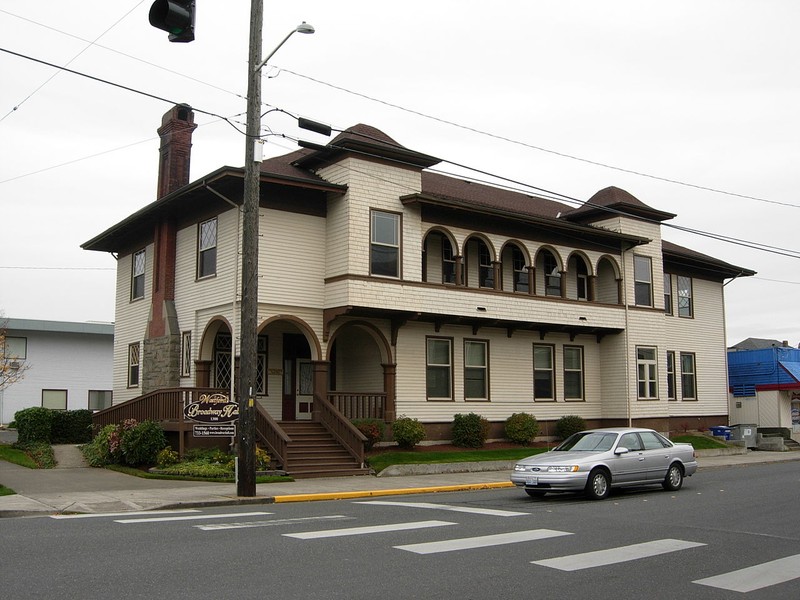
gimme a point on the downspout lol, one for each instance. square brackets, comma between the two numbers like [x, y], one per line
[235, 283]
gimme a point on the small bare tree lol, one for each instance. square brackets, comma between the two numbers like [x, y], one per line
[12, 360]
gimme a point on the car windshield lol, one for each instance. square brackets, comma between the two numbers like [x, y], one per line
[588, 441]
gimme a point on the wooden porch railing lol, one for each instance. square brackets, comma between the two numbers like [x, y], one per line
[356, 405]
[273, 437]
[340, 426]
[161, 405]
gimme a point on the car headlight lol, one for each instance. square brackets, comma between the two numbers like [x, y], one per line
[563, 469]
[519, 467]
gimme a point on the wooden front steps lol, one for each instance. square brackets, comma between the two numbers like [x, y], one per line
[314, 452]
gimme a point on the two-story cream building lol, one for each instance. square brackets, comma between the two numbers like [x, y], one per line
[386, 289]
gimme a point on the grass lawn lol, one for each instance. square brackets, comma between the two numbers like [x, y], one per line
[148, 475]
[379, 461]
[700, 442]
[18, 457]
[4, 491]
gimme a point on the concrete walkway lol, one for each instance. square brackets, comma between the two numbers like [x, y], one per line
[73, 487]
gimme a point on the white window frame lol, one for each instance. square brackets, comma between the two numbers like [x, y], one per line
[476, 371]
[642, 280]
[647, 373]
[138, 269]
[671, 383]
[384, 245]
[685, 302]
[688, 375]
[186, 354]
[543, 369]
[206, 246]
[571, 372]
[431, 367]
[668, 302]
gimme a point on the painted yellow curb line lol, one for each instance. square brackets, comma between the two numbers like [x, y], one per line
[372, 493]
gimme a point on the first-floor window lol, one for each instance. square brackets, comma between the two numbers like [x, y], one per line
[186, 354]
[54, 399]
[573, 373]
[688, 377]
[647, 373]
[439, 372]
[99, 399]
[670, 375]
[543, 374]
[133, 364]
[476, 370]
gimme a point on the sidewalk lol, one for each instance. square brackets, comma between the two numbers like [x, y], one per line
[73, 487]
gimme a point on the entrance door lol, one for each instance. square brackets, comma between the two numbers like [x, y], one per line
[304, 388]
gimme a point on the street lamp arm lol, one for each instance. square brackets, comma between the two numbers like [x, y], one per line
[302, 28]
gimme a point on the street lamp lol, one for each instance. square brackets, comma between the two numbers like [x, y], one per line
[246, 479]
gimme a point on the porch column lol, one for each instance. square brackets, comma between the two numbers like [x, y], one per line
[202, 373]
[497, 273]
[459, 269]
[389, 382]
[320, 384]
[591, 293]
[531, 280]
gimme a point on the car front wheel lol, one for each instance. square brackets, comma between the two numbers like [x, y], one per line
[674, 479]
[599, 485]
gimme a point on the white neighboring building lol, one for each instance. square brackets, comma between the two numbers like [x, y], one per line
[70, 365]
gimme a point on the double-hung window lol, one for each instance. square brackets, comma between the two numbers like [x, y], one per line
[137, 275]
[384, 244]
[543, 373]
[552, 276]
[643, 281]
[485, 267]
[133, 364]
[685, 307]
[520, 270]
[573, 373]
[476, 370]
[647, 373]
[668, 293]
[439, 368]
[448, 262]
[688, 377]
[207, 248]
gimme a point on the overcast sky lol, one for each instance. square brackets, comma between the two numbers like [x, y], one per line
[675, 102]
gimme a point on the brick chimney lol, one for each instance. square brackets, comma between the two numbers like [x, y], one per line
[162, 338]
[175, 153]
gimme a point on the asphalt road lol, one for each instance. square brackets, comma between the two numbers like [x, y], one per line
[648, 543]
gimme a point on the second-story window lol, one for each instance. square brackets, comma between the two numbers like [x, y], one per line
[685, 306]
[643, 281]
[448, 262]
[385, 244]
[668, 293]
[137, 275]
[485, 268]
[582, 276]
[207, 248]
[520, 270]
[552, 276]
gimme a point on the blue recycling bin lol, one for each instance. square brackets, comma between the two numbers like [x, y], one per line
[721, 431]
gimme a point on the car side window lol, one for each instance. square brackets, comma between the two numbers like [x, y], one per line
[630, 441]
[651, 441]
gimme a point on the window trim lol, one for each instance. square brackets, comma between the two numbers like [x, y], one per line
[398, 218]
[649, 382]
[201, 250]
[552, 350]
[485, 368]
[689, 374]
[449, 367]
[520, 269]
[66, 398]
[7, 356]
[134, 368]
[668, 302]
[638, 283]
[137, 278]
[485, 267]
[687, 297]
[581, 372]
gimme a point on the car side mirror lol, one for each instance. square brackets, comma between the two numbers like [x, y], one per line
[621, 450]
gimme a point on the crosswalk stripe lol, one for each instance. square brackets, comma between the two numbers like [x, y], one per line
[599, 558]
[483, 541]
[126, 513]
[308, 535]
[270, 523]
[464, 509]
[757, 576]
[192, 517]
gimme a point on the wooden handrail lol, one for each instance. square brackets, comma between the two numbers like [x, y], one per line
[273, 437]
[161, 405]
[342, 429]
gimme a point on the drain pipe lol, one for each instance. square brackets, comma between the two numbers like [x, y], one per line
[235, 282]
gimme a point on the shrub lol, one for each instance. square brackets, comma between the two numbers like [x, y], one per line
[167, 457]
[140, 443]
[34, 425]
[263, 459]
[71, 426]
[407, 432]
[98, 452]
[521, 428]
[372, 429]
[569, 424]
[470, 430]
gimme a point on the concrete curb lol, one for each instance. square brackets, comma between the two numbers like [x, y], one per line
[395, 492]
[439, 468]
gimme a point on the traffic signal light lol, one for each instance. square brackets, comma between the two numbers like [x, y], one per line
[175, 17]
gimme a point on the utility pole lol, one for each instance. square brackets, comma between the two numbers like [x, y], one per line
[246, 432]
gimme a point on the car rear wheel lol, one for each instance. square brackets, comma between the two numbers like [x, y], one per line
[599, 485]
[535, 493]
[674, 479]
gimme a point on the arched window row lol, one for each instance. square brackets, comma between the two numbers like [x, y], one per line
[513, 268]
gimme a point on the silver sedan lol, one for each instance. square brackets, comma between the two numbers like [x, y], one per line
[597, 460]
